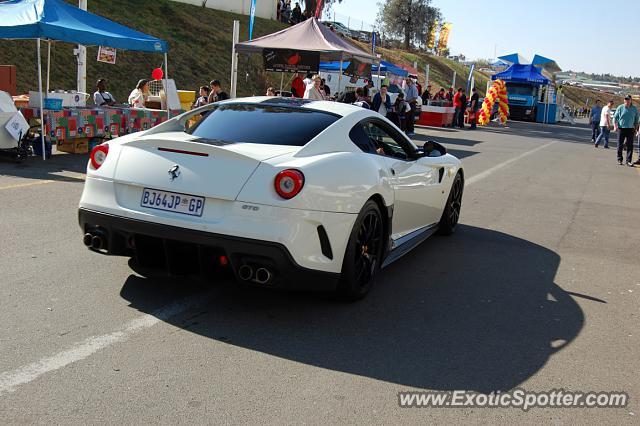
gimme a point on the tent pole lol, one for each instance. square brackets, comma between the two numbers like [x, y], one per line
[234, 58]
[48, 63]
[44, 152]
[166, 84]
[340, 77]
[281, 81]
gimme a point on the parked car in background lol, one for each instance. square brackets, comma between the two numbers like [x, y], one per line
[364, 36]
[339, 28]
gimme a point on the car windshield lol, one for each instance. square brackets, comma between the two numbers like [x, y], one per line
[261, 124]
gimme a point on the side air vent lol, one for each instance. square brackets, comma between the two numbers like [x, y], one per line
[325, 246]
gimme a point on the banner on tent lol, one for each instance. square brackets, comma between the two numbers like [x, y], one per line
[286, 60]
[358, 69]
[107, 54]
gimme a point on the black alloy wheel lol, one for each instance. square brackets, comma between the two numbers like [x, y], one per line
[451, 213]
[363, 256]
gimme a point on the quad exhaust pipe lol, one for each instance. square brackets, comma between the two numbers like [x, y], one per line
[260, 275]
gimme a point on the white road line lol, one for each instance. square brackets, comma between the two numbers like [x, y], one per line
[10, 380]
[492, 170]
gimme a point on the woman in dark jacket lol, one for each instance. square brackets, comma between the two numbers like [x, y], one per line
[381, 101]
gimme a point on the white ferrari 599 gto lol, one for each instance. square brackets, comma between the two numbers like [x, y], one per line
[278, 192]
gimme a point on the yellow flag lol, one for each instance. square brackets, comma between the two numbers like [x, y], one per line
[431, 40]
[443, 41]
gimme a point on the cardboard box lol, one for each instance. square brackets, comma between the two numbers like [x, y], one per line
[74, 146]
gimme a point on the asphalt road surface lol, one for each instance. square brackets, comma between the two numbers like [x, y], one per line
[538, 289]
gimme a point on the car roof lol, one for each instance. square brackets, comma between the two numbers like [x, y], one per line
[337, 108]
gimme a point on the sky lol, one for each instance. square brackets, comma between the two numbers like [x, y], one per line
[580, 35]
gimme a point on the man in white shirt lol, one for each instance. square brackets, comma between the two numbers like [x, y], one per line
[605, 125]
[101, 97]
[308, 80]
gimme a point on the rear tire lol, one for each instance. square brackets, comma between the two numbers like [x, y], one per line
[451, 213]
[363, 256]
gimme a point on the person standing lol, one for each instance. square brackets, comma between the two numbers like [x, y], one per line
[475, 106]
[457, 104]
[412, 98]
[605, 125]
[463, 108]
[313, 90]
[296, 14]
[217, 94]
[382, 101]
[101, 97]
[594, 120]
[297, 86]
[203, 99]
[449, 96]
[138, 96]
[367, 90]
[426, 95]
[326, 88]
[626, 119]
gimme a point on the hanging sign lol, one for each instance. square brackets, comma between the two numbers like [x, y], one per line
[285, 60]
[107, 54]
[358, 69]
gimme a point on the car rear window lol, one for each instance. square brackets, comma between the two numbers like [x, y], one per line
[261, 124]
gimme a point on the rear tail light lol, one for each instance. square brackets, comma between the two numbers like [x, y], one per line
[289, 183]
[98, 155]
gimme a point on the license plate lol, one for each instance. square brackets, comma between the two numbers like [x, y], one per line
[191, 205]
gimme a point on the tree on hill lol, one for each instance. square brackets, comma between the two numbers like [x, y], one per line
[412, 20]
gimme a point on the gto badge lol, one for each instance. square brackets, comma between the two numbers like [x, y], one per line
[174, 172]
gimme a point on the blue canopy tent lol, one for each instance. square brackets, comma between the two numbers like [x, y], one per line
[384, 67]
[546, 64]
[58, 20]
[518, 73]
[514, 58]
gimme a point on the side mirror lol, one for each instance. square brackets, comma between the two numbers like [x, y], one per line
[432, 149]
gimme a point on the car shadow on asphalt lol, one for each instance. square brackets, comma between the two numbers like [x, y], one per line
[477, 311]
[37, 168]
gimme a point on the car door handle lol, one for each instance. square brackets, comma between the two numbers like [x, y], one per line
[393, 172]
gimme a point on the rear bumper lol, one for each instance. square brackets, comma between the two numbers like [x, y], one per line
[182, 251]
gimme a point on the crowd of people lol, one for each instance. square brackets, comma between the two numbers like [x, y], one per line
[139, 96]
[624, 119]
[288, 14]
[209, 94]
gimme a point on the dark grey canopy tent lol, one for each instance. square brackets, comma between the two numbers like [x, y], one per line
[310, 36]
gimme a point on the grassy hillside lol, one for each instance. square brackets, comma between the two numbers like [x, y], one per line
[199, 49]
[578, 96]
